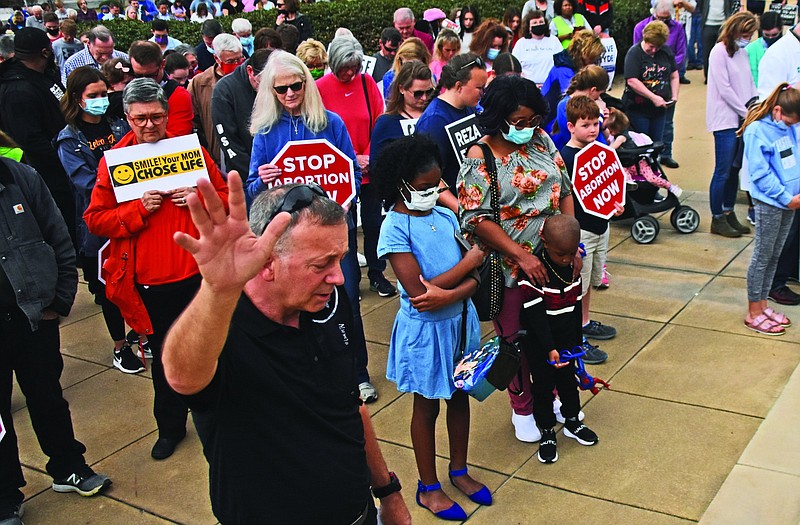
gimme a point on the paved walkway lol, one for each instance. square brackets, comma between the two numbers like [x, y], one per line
[696, 399]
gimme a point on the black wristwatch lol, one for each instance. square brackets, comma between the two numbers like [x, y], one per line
[391, 488]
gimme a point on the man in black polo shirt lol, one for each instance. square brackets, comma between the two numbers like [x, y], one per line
[270, 373]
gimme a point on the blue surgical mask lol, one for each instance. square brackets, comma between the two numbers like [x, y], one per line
[742, 42]
[247, 43]
[96, 106]
[492, 54]
[519, 136]
[210, 49]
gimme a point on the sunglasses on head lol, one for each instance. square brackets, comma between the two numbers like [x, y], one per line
[296, 199]
[281, 90]
[418, 94]
[478, 62]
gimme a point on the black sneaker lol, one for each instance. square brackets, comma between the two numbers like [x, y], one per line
[89, 485]
[579, 432]
[548, 453]
[383, 287]
[126, 361]
[13, 516]
[592, 354]
[599, 331]
[784, 295]
[133, 340]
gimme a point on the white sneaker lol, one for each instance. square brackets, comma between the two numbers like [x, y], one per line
[557, 412]
[367, 392]
[362, 261]
[525, 428]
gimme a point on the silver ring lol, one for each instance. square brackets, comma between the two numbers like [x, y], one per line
[183, 200]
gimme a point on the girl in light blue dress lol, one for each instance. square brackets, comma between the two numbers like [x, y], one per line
[436, 278]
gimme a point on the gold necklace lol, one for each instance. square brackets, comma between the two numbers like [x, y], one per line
[556, 273]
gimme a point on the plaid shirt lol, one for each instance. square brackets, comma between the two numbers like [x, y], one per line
[84, 58]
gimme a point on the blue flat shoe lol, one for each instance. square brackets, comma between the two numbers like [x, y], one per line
[454, 513]
[481, 497]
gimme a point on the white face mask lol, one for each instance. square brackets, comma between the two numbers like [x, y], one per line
[742, 43]
[420, 200]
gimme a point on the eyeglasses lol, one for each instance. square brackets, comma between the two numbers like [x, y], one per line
[296, 199]
[534, 123]
[152, 76]
[141, 120]
[279, 5]
[281, 90]
[427, 93]
[478, 62]
[233, 61]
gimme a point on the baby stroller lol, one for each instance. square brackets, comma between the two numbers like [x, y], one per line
[642, 201]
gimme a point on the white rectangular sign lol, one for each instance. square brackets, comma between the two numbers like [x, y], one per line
[408, 125]
[463, 133]
[368, 65]
[165, 165]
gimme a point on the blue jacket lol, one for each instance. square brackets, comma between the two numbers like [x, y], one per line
[771, 151]
[36, 251]
[267, 145]
[81, 166]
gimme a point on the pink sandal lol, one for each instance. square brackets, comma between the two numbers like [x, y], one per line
[764, 325]
[778, 317]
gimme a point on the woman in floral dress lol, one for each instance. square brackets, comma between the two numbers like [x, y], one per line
[533, 185]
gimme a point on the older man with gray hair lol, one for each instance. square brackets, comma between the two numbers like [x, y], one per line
[99, 49]
[264, 355]
[404, 21]
[158, 278]
[227, 57]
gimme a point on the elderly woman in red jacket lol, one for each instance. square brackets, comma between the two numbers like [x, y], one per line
[148, 276]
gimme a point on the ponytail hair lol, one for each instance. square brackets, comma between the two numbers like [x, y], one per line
[785, 96]
[588, 77]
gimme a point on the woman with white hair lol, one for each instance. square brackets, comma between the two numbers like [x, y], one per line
[289, 107]
[356, 98]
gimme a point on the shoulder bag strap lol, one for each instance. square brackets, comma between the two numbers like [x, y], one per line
[494, 190]
[366, 97]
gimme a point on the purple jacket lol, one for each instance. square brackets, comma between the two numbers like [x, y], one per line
[676, 39]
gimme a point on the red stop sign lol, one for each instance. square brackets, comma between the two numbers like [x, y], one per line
[319, 162]
[598, 180]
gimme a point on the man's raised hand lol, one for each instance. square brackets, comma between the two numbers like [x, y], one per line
[227, 252]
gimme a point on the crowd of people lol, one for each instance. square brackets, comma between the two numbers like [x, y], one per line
[243, 293]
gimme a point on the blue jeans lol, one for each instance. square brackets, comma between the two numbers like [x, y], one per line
[725, 181]
[648, 123]
[695, 57]
[352, 280]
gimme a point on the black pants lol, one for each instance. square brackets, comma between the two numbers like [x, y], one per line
[788, 262]
[36, 360]
[709, 39]
[371, 220]
[546, 377]
[164, 304]
[111, 314]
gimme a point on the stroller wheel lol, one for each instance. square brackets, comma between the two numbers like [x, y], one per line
[684, 219]
[644, 230]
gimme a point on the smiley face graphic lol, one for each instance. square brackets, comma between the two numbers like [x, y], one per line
[123, 174]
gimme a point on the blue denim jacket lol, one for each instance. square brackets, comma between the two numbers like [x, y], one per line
[81, 166]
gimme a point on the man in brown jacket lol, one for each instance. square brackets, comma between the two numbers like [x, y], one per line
[227, 57]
